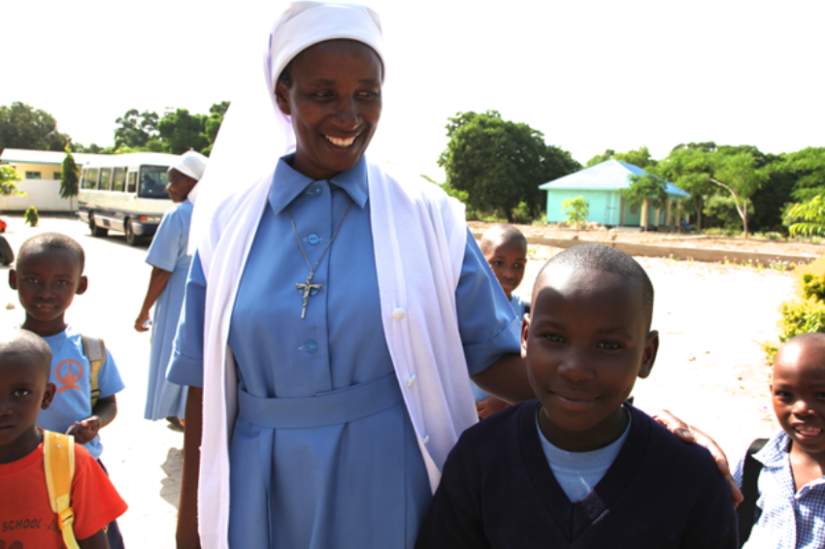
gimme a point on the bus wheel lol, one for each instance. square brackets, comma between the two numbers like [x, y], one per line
[94, 229]
[131, 238]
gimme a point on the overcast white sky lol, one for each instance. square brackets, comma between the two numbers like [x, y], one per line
[590, 74]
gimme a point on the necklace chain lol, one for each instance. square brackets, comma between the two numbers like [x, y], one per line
[308, 287]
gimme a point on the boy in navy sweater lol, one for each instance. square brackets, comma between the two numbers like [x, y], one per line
[580, 468]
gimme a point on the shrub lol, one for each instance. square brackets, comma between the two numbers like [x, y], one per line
[576, 210]
[521, 213]
[806, 218]
[802, 317]
[31, 216]
[806, 314]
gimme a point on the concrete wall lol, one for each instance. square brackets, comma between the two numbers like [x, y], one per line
[43, 193]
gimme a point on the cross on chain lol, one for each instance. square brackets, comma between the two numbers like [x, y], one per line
[306, 289]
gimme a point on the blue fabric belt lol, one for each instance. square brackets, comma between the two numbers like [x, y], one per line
[330, 408]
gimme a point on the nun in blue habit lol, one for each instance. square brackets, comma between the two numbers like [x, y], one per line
[331, 315]
[170, 260]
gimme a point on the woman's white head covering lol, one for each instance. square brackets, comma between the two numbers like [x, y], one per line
[255, 133]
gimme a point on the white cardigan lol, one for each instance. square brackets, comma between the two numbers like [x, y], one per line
[419, 237]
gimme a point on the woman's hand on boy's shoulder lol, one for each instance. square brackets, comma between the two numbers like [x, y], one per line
[84, 430]
[689, 433]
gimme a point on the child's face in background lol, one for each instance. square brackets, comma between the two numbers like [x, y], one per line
[507, 259]
[24, 391]
[46, 283]
[798, 394]
[179, 186]
[585, 343]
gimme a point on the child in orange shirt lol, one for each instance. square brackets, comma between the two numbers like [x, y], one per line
[26, 517]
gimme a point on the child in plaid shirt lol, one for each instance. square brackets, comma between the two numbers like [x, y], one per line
[790, 499]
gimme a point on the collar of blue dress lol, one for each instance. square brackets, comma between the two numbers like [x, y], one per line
[288, 184]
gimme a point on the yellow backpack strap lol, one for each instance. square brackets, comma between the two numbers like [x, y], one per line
[58, 459]
[95, 352]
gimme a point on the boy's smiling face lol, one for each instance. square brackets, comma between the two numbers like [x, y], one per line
[585, 342]
[46, 282]
[24, 391]
[798, 392]
[507, 259]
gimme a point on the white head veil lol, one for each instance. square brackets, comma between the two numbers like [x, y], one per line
[254, 133]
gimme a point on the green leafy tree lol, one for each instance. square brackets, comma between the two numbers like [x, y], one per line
[213, 123]
[576, 209]
[638, 157]
[646, 191]
[599, 158]
[737, 171]
[24, 127]
[136, 130]
[690, 167]
[806, 218]
[8, 181]
[182, 131]
[69, 176]
[499, 163]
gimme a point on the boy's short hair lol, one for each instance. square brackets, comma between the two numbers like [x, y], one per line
[598, 257]
[52, 242]
[20, 342]
[501, 234]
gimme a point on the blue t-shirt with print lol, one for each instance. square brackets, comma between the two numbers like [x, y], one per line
[70, 374]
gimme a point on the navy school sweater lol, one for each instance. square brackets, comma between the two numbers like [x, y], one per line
[498, 492]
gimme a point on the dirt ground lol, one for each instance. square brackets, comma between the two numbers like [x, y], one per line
[712, 319]
[669, 239]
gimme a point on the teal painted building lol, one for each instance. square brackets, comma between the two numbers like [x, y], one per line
[601, 186]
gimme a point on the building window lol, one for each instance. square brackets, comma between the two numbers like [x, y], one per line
[33, 175]
[57, 176]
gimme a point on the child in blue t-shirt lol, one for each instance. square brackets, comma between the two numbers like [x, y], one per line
[47, 275]
[505, 249]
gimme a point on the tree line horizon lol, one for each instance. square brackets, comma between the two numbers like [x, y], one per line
[495, 166]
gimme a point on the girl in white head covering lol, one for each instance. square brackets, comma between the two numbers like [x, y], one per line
[331, 314]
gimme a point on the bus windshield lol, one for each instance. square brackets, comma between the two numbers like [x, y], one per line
[153, 182]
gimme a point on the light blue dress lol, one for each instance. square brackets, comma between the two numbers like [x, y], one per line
[168, 252]
[327, 471]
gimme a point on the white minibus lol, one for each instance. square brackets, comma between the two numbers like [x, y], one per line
[125, 193]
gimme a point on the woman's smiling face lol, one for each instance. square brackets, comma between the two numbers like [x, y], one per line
[333, 95]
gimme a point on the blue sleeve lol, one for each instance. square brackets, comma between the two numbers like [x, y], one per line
[186, 364]
[166, 244]
[110, 382]
[489, 328]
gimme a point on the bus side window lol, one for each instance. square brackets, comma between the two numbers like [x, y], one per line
[118, 179]
[105, 179]
[90, 178]
[131, 183]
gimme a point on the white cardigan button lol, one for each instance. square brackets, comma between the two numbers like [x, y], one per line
[410, 380]
[398, 313]
[425, 439]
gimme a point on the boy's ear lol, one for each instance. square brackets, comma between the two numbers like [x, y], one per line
[282, 97]
[48, 396]
[82, 284]
[12, 279]
[525, 329]
[649, 355]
